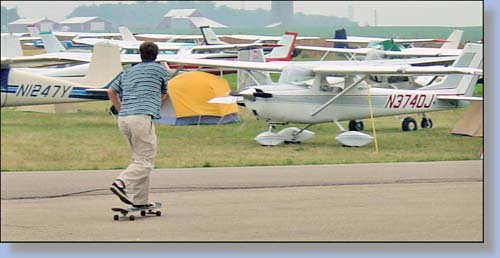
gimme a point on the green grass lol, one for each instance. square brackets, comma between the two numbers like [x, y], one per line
[90, 139]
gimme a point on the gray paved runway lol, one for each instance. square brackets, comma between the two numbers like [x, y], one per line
[433, 201]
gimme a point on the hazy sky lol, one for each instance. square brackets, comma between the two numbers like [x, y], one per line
[389, 13]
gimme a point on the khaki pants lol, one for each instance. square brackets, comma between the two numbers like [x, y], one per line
[139, 131]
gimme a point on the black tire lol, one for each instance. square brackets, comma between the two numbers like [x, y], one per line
[409, 124]
[143, 213]
[131, 217]
[356, 125]
[426, 123]
[158, 213]
[116, 217]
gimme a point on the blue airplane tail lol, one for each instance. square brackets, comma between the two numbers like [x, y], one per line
[340, 34]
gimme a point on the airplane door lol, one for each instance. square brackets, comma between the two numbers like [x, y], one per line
[3, 84]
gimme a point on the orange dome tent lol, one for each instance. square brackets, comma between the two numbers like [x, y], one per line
[188, 96]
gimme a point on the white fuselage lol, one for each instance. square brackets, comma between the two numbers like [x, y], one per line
[295, 104]
[22, 88]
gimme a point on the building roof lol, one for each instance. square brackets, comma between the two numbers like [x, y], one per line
[29, 21]
[79, 19]
[180, 13]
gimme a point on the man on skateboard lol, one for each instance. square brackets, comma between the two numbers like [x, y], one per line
[142, 89]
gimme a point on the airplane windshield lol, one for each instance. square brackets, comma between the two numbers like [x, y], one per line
[296, 75]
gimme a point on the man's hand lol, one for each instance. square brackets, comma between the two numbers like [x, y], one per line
[115, 99]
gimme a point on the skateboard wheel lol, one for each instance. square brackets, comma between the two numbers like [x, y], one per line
[143, 213]
[116, 217]
[131, 217]
[158, 213]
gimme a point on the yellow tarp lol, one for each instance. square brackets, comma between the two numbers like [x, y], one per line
[191, 91]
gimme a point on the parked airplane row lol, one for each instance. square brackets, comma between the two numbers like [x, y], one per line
[307, 92]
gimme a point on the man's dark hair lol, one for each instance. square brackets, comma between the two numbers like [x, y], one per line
[149, 51]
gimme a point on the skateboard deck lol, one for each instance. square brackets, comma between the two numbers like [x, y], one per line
[144, 211]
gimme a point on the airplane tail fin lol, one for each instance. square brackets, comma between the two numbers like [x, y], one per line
[340, 34]
[252, 77]
[105, 65]
[51, 43]
[460, 84]
[11, 46]
[34, 32]
[453, 40]
[210, 37]
[285, 51]
[126, 34]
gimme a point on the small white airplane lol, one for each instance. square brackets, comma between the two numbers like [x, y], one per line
[70, 63]
[19, 88]
[211, 38]
[51, 43]
[294, 99]
[284, 52]
[341, 37]
[389, 48]
[131, 46]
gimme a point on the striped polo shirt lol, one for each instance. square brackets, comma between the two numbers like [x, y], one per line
[140, 89]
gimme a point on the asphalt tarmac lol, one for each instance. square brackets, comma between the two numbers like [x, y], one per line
[424, 201]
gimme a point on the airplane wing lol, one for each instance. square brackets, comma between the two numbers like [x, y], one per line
[258, 37]
[424, 52]
[40, 61]
[366, 40]
[332, 67]
[358, 51]
[395, 70]
[84, 34]
[164, 45]
[29, 38]
[202, 48]
[129, 44]
[58, 58]
[156, 36]
[409, 52]
[245, 65]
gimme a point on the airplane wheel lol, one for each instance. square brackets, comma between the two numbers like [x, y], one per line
[426, 123]
[116, 217]
[409, 124]
[143, 213]
[131, 217]
[158, 213]
[356, 125]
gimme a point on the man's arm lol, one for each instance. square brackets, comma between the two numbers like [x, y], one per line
[115, 99]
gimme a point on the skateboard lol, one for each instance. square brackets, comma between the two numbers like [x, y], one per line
[144, 211]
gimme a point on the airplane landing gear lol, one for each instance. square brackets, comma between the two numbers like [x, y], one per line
[356, 125]
[426, 122]
[288, 135]
[294, 135]
[409, 124]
